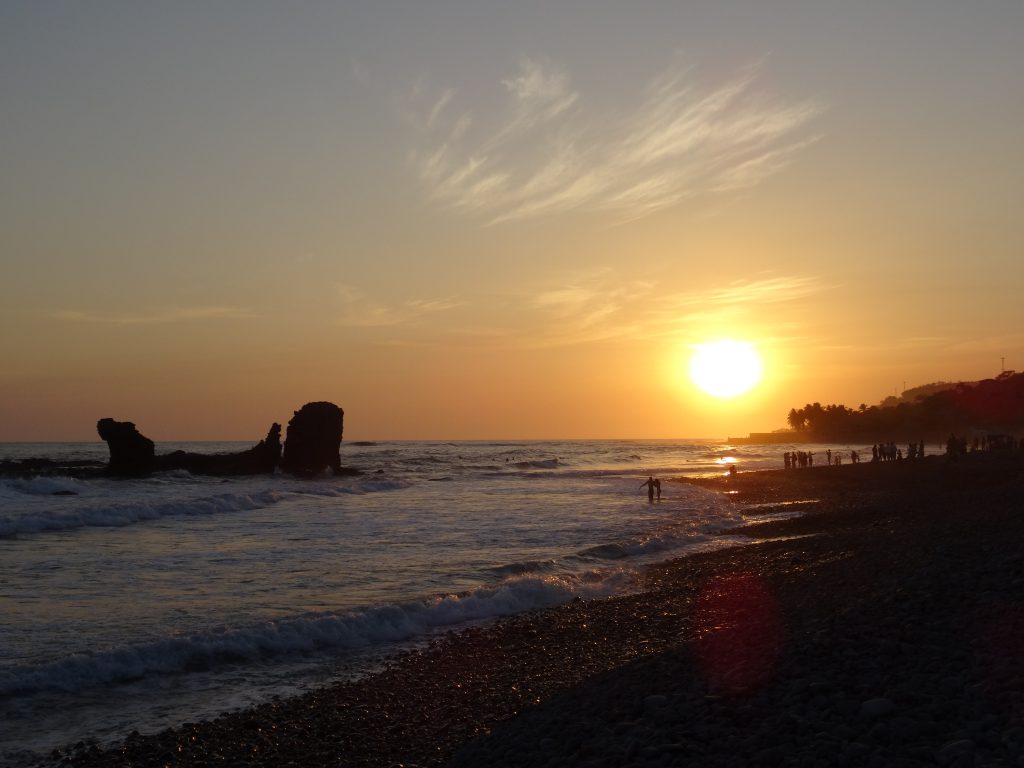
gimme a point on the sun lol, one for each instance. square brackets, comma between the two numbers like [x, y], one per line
[725, 368]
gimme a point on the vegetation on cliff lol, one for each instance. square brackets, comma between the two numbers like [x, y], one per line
[994, 406]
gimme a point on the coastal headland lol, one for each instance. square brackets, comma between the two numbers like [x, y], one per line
[882, 626]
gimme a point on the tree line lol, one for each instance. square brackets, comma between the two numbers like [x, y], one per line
[993, 406]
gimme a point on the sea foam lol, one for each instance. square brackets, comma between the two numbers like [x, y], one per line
[316, 632]
[121, 514]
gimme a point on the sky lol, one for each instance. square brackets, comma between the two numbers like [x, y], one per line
[495, 220]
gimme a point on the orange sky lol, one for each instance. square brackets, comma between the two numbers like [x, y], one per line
[473, 221]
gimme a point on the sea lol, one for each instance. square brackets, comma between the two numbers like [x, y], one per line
[141, 604]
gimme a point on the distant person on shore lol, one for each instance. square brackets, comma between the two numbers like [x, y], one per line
[651, 485]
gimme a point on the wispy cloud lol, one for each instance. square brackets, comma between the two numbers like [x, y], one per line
[549, 154]
[767, 290]
[598, 307]
[361, 311]
[589, 307]
[154, 317]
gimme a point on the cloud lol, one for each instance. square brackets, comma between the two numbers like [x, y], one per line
[549, 154]
[769, 290]
[154, 317]
[599, 306]
[592, 305]
[360, 311]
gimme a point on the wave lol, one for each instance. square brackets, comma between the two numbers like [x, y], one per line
[525, 567]
[304, 635]
[536, 464]
[685, 535]
[117, 515]
[605, 552]
[368, 485]
[42, 486]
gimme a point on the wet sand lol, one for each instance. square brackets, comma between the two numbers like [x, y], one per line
[883, 627]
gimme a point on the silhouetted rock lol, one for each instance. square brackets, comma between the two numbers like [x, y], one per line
[313, 440]
[266, 454]
[131, 453]
[261, 459]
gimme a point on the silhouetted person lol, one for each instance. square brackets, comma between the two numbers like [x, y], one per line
[657, 487]
[650, 488]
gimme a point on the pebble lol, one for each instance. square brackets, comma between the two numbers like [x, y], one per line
[873, 709]
[951, 753]
[654, 703]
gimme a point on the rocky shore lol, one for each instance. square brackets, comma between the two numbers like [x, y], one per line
[883, 627]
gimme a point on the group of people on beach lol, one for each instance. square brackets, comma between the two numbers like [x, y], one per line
[879, 452]
[957, 445]
[794, 459]
[889, 451]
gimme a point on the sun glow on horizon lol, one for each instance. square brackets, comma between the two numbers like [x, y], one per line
[725, 368]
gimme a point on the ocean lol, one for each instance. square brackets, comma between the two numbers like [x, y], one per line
[142, 604]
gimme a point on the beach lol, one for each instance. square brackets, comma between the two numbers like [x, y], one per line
[883, 626]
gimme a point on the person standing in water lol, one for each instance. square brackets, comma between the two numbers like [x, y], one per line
[651, 485]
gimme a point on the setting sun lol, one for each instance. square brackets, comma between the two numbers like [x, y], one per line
[725, 368]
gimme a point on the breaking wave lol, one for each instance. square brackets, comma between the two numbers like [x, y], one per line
[319, 632]
[116, 515]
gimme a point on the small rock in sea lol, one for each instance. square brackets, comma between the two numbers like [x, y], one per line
[872, 709]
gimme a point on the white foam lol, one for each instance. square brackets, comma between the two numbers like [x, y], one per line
[111, 515]
[42, 486]
[350, 630]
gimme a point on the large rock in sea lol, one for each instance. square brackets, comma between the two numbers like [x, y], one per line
[313, 440]
[131, 453]
[261, 459]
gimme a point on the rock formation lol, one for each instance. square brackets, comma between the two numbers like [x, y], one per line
[131, 453]
[313, 440]
[261, 459]
[313, 443]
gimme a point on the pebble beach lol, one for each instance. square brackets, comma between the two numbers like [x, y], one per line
[883, 626]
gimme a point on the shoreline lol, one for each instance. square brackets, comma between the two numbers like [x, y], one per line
[809, 632]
